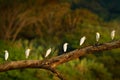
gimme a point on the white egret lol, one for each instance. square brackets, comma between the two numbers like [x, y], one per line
[48, 52]
[112, 34]
[6, 55]
[65, 47]
[27, 52]
[82, 40]
[97, 36]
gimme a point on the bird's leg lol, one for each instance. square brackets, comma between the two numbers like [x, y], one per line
[80, 47]
[113, 40]
[97, 43]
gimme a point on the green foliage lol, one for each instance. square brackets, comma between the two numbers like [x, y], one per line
[25, 74]
[94, 70]
[111, 61]
[85, 69]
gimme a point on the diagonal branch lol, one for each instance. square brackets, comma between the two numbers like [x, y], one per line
[55, 61]
[53, 70]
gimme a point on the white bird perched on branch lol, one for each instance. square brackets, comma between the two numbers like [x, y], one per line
[112, 34]
[82, 40]
[97, 36]
[6, 54]
[65, 47]
[48, 52]
[27, 52]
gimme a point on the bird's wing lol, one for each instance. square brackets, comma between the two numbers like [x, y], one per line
[64, 47]
[48, 52]
[81, 41]
[6, 55]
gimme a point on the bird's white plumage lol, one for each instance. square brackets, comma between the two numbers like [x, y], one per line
[82, 40]
[65, 47]
[112, 34]
[6, 54]
[48, 52]
[27, 52]
[97, 36]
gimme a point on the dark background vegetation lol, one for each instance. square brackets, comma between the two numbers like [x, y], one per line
[41, 24]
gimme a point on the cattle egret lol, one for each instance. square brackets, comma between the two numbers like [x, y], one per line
[112, 34]
[48, 52]
[27, 52]
[97, 36]
[82, 40]
[6, 55]
[65, 47]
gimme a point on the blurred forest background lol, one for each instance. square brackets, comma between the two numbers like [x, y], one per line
[41, 24]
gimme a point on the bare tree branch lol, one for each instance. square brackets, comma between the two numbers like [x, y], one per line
[53, 70]
[55, 61]
[50, 64]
